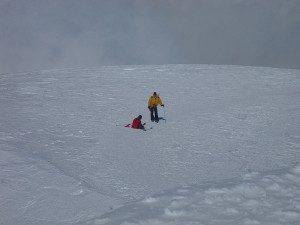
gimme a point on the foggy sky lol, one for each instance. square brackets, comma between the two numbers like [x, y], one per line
[45, 34]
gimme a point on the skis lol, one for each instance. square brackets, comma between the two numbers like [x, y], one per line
[159, 118]
[162, 118]
[129, 126]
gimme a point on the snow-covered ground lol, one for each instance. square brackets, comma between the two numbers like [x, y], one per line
[227, 153]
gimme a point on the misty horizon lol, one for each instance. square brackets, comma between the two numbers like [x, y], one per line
[46, 34]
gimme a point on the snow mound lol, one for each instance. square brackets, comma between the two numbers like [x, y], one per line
[269, 198]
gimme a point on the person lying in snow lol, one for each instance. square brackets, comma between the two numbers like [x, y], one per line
[137, 123]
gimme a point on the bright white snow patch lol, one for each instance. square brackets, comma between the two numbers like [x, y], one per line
[268, 198]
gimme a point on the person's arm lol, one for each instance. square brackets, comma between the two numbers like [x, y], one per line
[149, 103]
[142, 125]
[160, 102]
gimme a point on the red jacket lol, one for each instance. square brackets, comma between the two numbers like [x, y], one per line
[137, 124]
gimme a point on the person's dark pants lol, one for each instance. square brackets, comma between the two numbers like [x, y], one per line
[154, 114]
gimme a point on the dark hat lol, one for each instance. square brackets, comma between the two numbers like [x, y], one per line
[154, 93]
[140, 117]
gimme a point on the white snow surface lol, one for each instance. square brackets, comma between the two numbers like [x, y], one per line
[227, 153]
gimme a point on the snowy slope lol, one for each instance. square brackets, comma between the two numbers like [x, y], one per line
[64, 160]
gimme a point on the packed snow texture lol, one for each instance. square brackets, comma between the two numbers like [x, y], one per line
[255, 198]
[227, 153]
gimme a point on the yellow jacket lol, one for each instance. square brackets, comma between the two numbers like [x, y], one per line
[154, 100]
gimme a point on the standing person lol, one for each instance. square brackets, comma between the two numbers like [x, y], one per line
[137, 123]
[153, 101]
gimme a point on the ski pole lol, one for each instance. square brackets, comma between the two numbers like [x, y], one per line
[165, 115]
